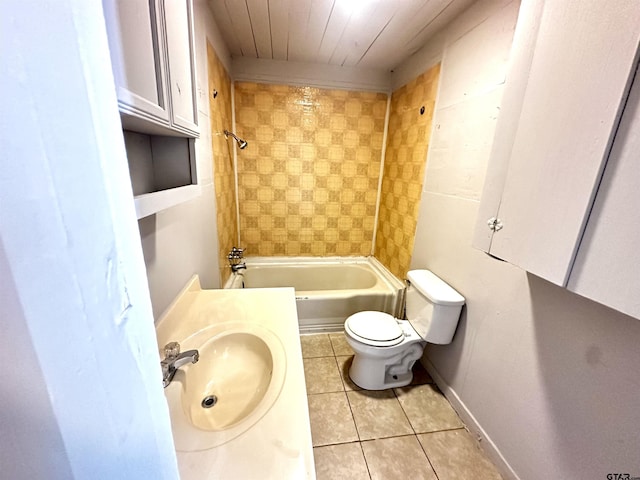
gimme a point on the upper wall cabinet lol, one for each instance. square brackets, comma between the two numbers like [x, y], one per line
[152, 55]
[571, 68]
[607, 265]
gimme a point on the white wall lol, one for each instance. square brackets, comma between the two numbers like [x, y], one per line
[23, 383]
[183, 240]
[80, 389]
[549, 380]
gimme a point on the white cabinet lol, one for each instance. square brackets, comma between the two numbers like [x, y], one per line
[179, 27]
[607, 266]
[571, 66]
[137, 61]
[152, 55]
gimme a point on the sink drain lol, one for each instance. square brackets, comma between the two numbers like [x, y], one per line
[209, 401]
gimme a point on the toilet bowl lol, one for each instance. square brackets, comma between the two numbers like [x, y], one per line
[386, 360]
[386, 348]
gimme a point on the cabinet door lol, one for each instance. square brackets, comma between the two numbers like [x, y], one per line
[136, 57]
[581, 62]
[607, 266]
[179, 28]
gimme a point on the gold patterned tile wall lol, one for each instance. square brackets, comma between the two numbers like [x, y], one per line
[224, 177]
[404, 168]
[308, 181]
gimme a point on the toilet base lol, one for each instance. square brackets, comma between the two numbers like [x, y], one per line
[375, 373]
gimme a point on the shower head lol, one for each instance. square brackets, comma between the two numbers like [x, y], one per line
[241, 143]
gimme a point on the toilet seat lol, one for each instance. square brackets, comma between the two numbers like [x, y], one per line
[377, 329]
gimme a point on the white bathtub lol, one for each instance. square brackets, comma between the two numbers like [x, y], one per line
[328, 290]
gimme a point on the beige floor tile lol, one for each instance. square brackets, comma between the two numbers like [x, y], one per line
[344, 363]
[322, 375]
[340, 462]
[427, 409]
[316, 346]
[340, 345]
[455, 455]
[378, 414]
[331, 420]
[397, 458]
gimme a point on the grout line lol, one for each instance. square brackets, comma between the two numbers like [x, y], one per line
[368, 440]
[331, 343]
[443, 430]
[351, 410]
[428, 459]
[344, 389]
[354, 423]
[366, 464]
[322, 393]
[415, 434]
[403, 411]
[339, 443]
[387, 438]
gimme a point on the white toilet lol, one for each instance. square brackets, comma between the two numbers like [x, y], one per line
[386, 348]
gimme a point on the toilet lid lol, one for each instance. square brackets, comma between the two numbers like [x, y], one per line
[375, 328]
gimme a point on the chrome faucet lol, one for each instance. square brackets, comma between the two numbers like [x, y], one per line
[238, 266]
[236, 259]
[174, 360]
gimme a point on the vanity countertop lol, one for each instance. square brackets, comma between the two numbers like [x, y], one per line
[279, 445]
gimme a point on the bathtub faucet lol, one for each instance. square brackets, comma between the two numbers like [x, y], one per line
[174, 360]
[236, 259]
[238, 266]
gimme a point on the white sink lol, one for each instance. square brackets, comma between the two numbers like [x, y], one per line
[236, 381]
[269, 434]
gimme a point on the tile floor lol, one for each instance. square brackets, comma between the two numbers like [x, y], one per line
[401, 433]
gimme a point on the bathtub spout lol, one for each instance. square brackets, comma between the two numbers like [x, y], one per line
[238, 266]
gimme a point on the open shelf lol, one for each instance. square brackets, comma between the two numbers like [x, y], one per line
[162, 170]
[150, 203]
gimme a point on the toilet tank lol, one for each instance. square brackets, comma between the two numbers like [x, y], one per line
[433, 306]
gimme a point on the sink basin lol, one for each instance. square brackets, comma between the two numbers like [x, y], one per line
[237, 379]
[231, 379]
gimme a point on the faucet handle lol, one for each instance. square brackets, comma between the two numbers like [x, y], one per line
[171, 350]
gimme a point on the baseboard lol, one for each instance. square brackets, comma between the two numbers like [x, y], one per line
[321, 325]
[485, 442]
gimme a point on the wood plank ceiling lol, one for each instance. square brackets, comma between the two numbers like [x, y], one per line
[356, 33]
